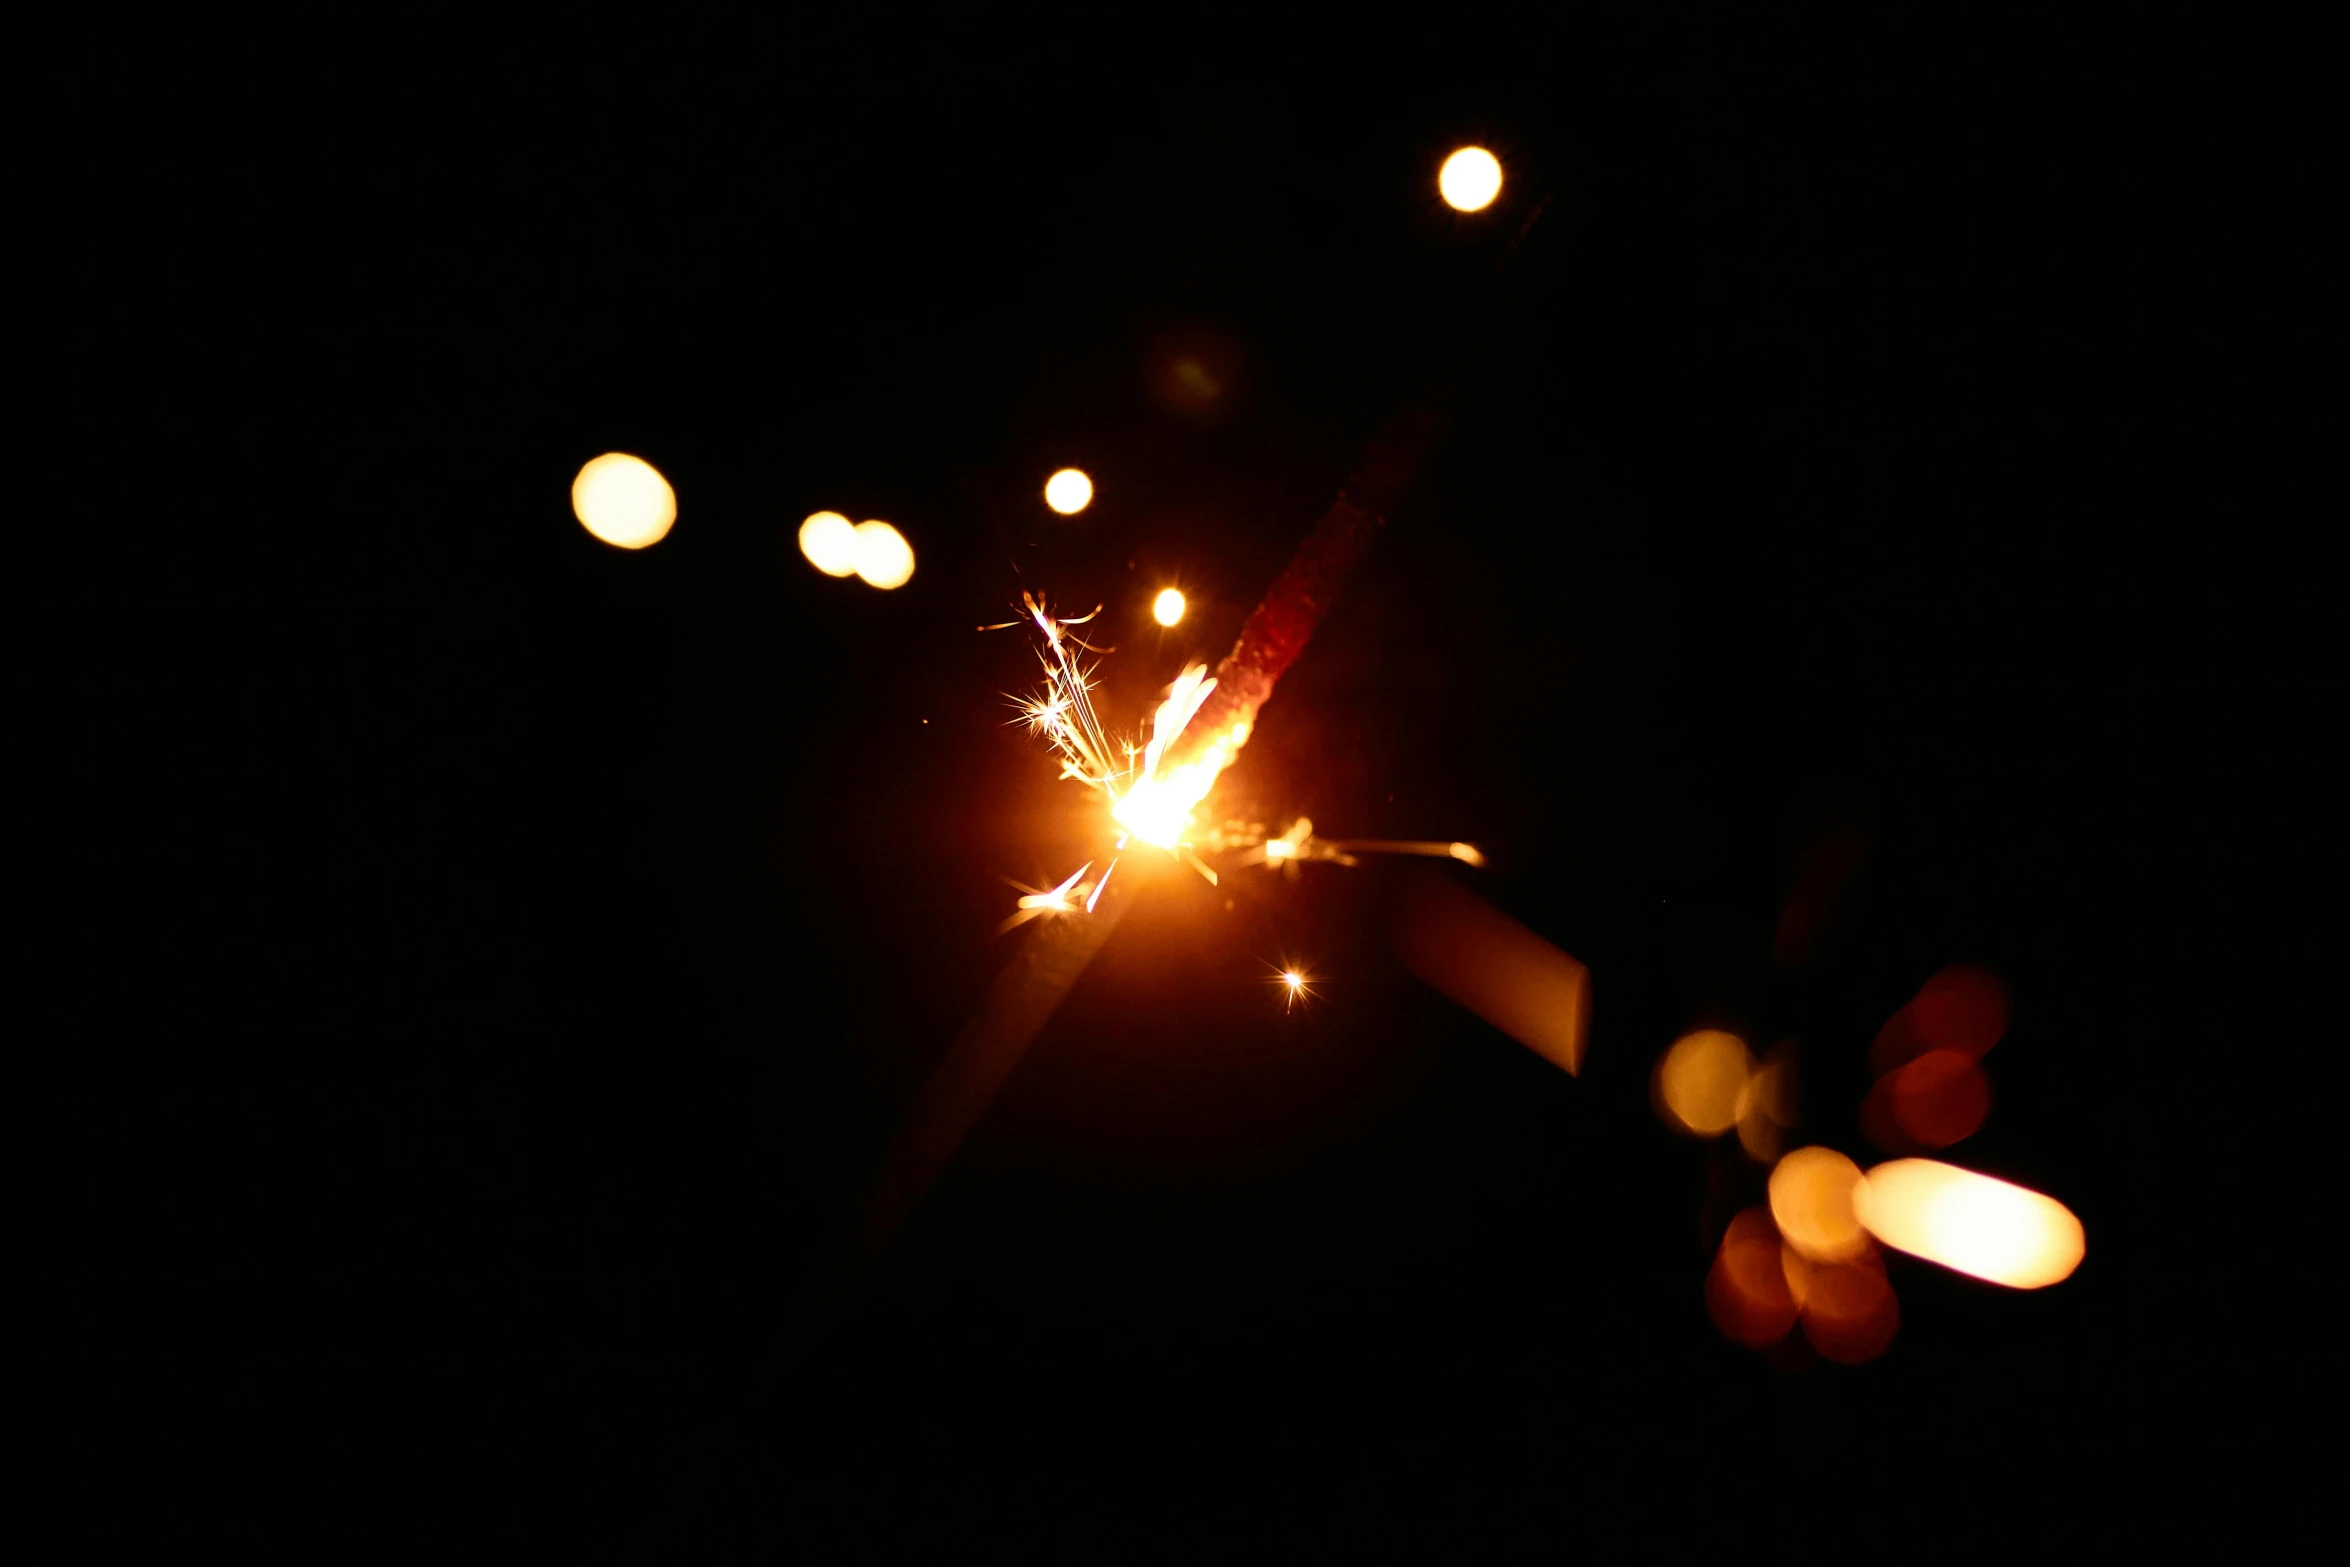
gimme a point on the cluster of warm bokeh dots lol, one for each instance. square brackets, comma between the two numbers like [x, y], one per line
[872, 551]
[1812, 1256]
[627, 503]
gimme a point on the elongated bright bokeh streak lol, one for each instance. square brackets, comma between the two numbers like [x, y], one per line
[1970, 1223]
[1497, 968]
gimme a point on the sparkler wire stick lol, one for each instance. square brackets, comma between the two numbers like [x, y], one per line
[1277, 632]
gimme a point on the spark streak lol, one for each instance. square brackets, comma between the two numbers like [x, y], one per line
[1056, 901]
[1298, 845]
[1298, 985]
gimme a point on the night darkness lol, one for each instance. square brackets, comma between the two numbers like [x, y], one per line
[1777, 613]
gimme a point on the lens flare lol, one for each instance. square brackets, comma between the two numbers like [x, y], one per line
[1167, 608]
[1470, 179]
[829, 540]
[624, 501]
[1970, 1223]
[1068, 492]
[884, 558]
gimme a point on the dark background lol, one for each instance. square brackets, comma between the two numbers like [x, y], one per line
[1793, 610]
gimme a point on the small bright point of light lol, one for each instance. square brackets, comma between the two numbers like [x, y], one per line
[1167, 608]
[829, 540]
[884, 558]
[1470, 179]
[623, 500]
[1295, 987]
[1069, 492]
[1468, 854]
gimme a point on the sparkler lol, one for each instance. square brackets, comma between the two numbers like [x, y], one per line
[1205, 719]
[1151, 791]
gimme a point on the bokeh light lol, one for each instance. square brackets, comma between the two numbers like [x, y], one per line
[1167, 608]
[623, 500]
[1963, 1008]
[1497, 968]
[1746, 1290]
[1195, 372]
[884, 558]
[1970, 1223]
[1767, 1107]
[1940, 1098]
[1470, 179]
[1848, 1308]
[1811, 1199]
[1701, 1081]
[829, 540]
[1068, 492]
